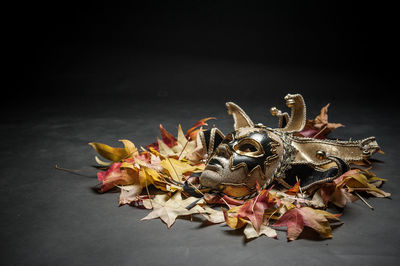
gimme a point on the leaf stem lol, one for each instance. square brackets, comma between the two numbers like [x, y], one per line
[363, 200]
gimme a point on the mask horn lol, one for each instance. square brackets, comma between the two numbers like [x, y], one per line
[240, 118]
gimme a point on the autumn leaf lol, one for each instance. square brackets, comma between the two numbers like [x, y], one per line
[339, 190]
[167, 137]
[330, 192]
[221, 199]
[129, 193]
[115, 154]
[250, 232]
[294, 190]
[176, 168]
[108, 152]
[233, 222]
[192, 132]
[171, 208]
[115, 176]
[253, 209]
[213, 216]
[183, 148]
[319, 127]
[296, 219]
[361, 180]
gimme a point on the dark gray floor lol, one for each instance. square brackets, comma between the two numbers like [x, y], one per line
[51, 217]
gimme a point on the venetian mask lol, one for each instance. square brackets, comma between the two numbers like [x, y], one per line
[254, 156]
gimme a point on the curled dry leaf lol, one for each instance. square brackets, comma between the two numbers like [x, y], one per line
[129, 193]
[252, 210]
[115, 154]
[213, 216]
[296, 219]
[319, 127]
[250, 232]
[115, 176]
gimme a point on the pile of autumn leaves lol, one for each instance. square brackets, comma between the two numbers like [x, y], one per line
[169, 162]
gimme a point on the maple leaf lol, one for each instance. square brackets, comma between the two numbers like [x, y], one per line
[213, 216]
[170, 141]
[224, 199]
[129, 193]
[296, 219]
[183, 148]
[177, 168]
[361, 180]
[330, 192]
[167, 137]
[234, 221]
[115, 176]
[168, 209]
[250, 232]
[319, 127]
[253, 209]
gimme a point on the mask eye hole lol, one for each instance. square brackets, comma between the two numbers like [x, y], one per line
[228, 138]
[249, 147]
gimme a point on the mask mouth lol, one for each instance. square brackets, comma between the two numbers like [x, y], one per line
[213, 173]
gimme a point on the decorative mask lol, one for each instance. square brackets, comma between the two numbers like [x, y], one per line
[255, 155]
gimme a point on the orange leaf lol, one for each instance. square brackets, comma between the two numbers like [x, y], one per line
[294, 190]
[199, 123]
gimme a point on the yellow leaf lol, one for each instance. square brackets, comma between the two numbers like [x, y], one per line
[233, 222]
[128, 165]
[357, 181]
[108, 152]
[130, 148]
[164, 149]
[177, 168]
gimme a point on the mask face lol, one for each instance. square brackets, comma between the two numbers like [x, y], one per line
[243, 159]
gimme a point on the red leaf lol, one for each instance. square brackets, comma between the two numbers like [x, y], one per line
[254, 209]
[114, 176]
[153, 145]
[327, 191]
[167, 137]
[216, 199]
[295, 220]
[113, 170]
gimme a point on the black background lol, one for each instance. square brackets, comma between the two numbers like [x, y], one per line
[163, 48]
[80, 72]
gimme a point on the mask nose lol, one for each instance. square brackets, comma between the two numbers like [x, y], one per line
[223, 151]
